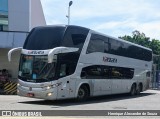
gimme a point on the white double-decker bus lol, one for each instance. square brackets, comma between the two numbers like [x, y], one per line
[60, 62]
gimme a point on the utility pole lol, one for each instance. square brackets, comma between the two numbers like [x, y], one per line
[68, 16]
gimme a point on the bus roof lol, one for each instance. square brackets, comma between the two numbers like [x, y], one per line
[93, 31]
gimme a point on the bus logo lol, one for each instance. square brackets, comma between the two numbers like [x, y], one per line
[35, 52]
[108, 59]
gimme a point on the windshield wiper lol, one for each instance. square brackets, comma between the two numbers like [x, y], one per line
[43, 68]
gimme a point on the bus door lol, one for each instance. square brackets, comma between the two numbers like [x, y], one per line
[67, 87]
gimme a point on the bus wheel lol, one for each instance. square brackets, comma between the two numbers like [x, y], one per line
[133, 90]
[139, 89]
[83, 93]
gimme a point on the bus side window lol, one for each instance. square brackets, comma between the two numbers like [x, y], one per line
[107, 47]
[116, 73]
[96, 44]
[63, 68]
[91, 72]
[148, 74]
[67, 69]
[83, 74]
[106, 72]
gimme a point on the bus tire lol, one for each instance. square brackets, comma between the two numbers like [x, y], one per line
[139, 89]
[133, 90]
[83, 93]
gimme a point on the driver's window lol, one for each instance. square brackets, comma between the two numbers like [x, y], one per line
[63, 70]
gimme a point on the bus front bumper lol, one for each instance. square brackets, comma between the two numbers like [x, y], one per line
[41, 93]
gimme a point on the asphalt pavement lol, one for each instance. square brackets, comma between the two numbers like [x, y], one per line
[148, 100]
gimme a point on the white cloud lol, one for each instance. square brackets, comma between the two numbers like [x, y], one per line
[104, 8]
[151, 29]
[119, 16]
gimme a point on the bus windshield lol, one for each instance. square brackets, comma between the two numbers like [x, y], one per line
[36, 69]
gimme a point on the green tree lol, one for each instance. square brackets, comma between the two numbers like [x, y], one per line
[141, 39]
[155, 46]
[138, 38]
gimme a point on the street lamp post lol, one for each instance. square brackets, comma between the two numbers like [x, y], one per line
[68, 16]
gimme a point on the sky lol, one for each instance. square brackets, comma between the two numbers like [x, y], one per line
[111, 17]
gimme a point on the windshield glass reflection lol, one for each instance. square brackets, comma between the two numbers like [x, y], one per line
[36, 68]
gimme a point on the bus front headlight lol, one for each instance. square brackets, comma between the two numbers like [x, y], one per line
[48, 87]
[49, 94]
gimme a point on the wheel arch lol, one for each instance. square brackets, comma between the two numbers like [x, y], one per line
[83, 84]
[141, 84]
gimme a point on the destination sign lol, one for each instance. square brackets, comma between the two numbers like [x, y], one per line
[35, 52]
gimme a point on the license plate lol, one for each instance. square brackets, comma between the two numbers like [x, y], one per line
[30, 95]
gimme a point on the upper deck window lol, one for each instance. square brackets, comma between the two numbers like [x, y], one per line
[75, 37]
[44, 38]
[99, 43]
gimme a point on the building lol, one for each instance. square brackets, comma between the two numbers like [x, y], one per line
[17, 18]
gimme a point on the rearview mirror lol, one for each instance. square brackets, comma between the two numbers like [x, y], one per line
[13, 50]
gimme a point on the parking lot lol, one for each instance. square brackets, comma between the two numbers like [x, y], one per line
[148, 100]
